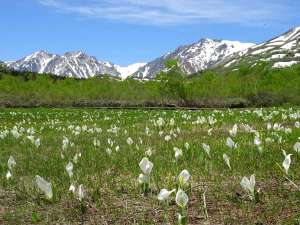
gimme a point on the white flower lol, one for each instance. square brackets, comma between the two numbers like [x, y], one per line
[297, 147]
[146, 166]
[72, 188]
[149, 152]
[230, 143]
[143, 179]
[160, 122]
[233, 131]
[129, 141]
[178, 152]
[287, 162]
[81, 192]
[44, 186]
[181, 198]
[187, 146]
[108, 151]
[249, 186]
[227, 160]
[8, 175]
[96, 142]
[184, 177]
[206, 149]
[257, 141]
[11, 163]
[37, 143]
[69, 169]
[164, 194]
[167, 138]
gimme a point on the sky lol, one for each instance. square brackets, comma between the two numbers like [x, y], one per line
[131, 31]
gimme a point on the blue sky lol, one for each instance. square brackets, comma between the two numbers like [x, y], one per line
[129, 31]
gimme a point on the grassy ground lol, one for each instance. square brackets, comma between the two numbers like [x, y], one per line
[112, 193]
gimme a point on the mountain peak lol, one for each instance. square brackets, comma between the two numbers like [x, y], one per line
[195, 57]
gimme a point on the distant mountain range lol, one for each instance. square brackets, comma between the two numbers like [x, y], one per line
[282, 51]
[71, 64]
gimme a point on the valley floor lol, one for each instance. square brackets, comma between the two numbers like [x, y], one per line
[97, 152]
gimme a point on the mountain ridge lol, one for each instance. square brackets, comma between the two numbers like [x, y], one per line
[75, 64]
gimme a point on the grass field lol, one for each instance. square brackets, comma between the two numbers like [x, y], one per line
[105, 148]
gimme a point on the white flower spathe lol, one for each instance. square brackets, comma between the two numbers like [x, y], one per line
[286, 162]
[164, 194]
[227, 160]
[11, 163]
[143, 179]
[8, 175]
[69, 169]
[44, 186]
[206, 148]
[230, 143]
[177, 152]
[233, 131]
[181, 198]
[81, 192]
[249, 186]
[129, 141]
[146, 166]
[297, 147]
[184, 177]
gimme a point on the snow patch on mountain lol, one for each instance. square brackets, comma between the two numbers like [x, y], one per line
[195, 57]
[129, 70]
[282, 51]
[72, 64]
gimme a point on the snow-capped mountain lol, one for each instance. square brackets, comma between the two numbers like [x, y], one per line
[195, 57]
[282, 51]
[129, 70]
[71, 64]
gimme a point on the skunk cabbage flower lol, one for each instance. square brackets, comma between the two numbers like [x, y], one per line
[249, 186]
[183, 177]
[233, 131]
[227, 160]
[129, 141]
[297, 147]
[167, 138]
[69, 169]
[143, 179]
[37, 143]
[206, 149]
[187, 146]
[81, 192]
[44, 186]
[181, 198]
[287, 162]
[108, 151]
[257, 141]
[11, 163]
[230, 143]
[164, 194]
[8, 175]
[72, 188]
[178, 153]
[146, 166]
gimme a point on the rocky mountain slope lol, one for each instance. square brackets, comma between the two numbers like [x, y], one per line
[282, 51]
[195, 57]
[71, 64]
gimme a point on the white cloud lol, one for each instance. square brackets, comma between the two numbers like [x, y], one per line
[165, 12]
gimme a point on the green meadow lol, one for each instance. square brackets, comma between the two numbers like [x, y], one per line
[90, 162]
